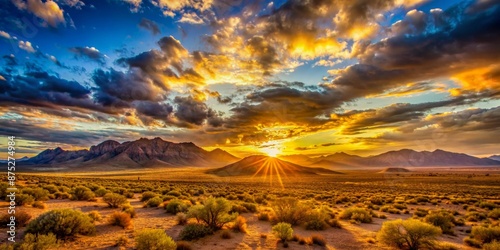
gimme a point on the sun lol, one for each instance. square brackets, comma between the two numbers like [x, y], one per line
[271, 151]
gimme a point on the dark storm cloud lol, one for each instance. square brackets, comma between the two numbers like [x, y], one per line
[264, 53]
[440, 49]
[150, 25]
[160, 111]
[192, 111]
[90, 53]
[127, 87]
[40, 87]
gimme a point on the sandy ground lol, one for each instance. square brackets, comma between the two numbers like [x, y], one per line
[258, 235]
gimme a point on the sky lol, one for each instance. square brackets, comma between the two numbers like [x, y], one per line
[278, 77]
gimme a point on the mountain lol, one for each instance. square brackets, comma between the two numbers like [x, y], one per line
[135, 154]
[495, 157]
[407, 157]
[259, 165]
[400, 158]
[24, 158]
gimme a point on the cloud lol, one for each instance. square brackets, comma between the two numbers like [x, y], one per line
[4, 34]
[78, 4]
[49, 11]
[192, 18]
[190, 110]
[26, 46]
[150, 25]
[90, 53]
[136, 4]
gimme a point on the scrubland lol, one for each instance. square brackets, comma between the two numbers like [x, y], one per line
[186, 209]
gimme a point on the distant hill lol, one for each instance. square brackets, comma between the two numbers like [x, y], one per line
[495, 157]
[259, 165]
[400, 158]
[395, 170]
[134, 154]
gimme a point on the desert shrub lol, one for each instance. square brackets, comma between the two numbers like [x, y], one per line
[181, 218]
[318, 240]
[39, 204]
[114, 200]
[62, 195]
[121, 219]
[24, 199]
[411, 234]
[154, 239]
[101, 192]
[82, 193]
[334, 223]
[494, 245]
[226, 234]
[316, 220]
[475, 216]
[176, 206]
[358, 214]
[21, 219]
[472, 242]
[240, 224]
[494, 214]
[95, 215]
[38, 242]
[63, 223]
[121, 241]
[183, 245]
[485, 234]
[174, 193]
[39, 194]
[421, 212]
[283, 231]
[214, 213]
[250, 207]
[127, 208]
[154, 202]
[289, 210]
[487, 205]
[148, 195]
[236, 208]
[129, 195]
[443, 220]
[194, 231]
[263, 216]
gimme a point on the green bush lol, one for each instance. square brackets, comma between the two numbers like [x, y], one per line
[114, 200]
[283, 231]
[494, 214]
[21, 219]
[95, 215]
[214, 213]
[24, 199]
[316, 220]
[39, 194]
[358, 214]
[101, 192]
[63, 223]
[127, 208]
[485, 234]
[411, 234]
[176, 206]
[195, 231]
[82, 193]
[148, 195]
[38, 242]
[289, 210]
[181, 218]
[39, 204]
[154, 239]
[494, 245]
[154, 202]
[443, 220]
